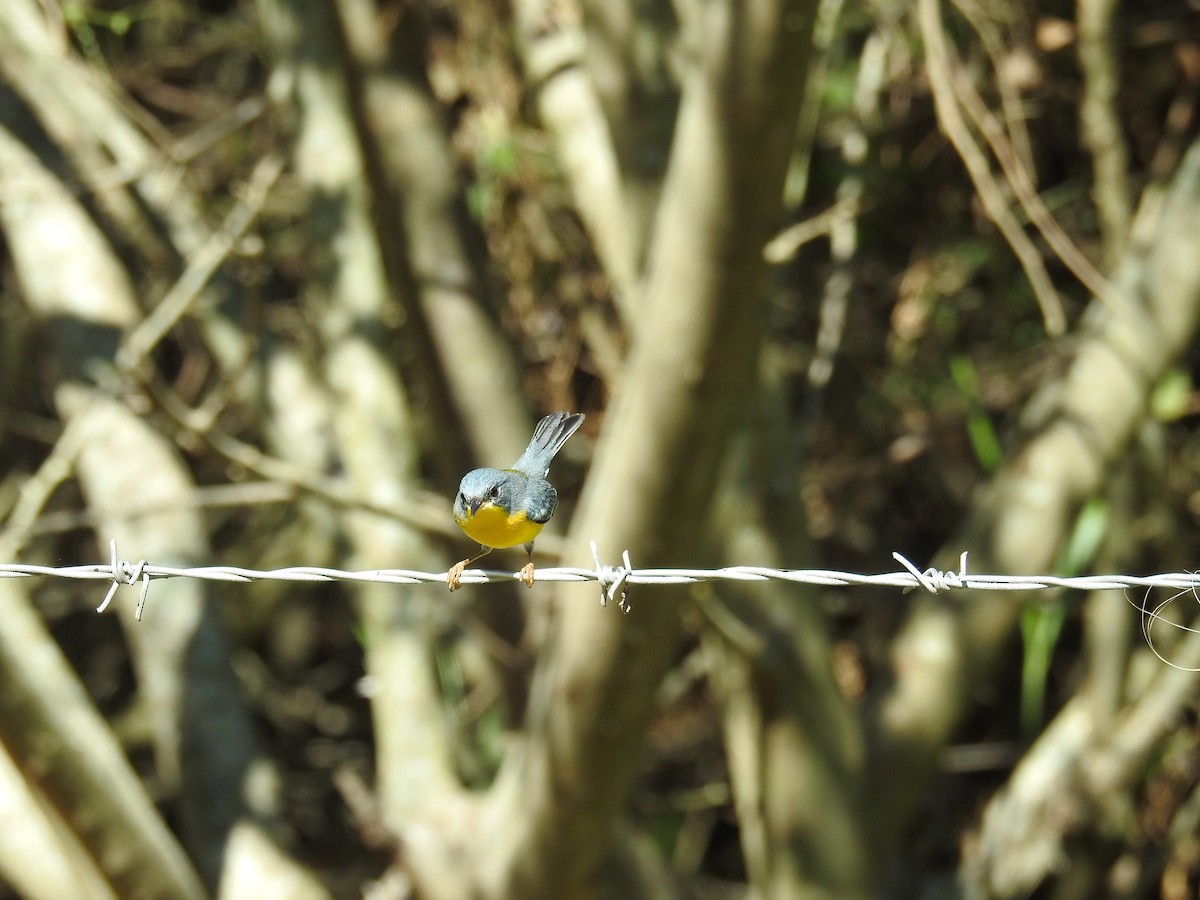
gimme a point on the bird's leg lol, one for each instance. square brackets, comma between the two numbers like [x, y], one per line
[527, 569]
[454, 576]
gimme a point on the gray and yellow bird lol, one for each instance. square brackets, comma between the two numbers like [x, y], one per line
[505, 507]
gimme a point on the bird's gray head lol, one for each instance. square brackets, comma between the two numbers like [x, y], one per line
[502, 488]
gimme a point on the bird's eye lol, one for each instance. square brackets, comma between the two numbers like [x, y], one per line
[494, 492]
[462, 496]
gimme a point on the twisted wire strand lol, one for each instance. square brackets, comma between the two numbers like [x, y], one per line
[615, 581]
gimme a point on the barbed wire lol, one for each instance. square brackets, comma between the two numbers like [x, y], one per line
[614, 581]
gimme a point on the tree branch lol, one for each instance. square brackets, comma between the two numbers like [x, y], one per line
[941, 81]
[553, 814]
[552, 54]
[351, 292]
[1100, 125]
[946, 650]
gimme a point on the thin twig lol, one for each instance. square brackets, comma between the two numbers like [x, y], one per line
[950, 118]
[784, 245]
[1000, 57]
[220, 496]
[201, 267]
[423, 509]
[1100, 125]
[1023, 187]
[40, 487]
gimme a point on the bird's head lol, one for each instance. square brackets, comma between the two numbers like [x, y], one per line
[483, 487]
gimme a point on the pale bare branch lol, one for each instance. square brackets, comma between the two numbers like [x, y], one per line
[1100, 124]
[941, 82]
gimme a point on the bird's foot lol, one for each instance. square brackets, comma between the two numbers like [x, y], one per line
[527, 574]
[454, 576]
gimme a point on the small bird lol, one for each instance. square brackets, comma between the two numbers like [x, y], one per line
[505, 507]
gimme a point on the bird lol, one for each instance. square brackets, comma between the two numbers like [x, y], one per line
[499, 508]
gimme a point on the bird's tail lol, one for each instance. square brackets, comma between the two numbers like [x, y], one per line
[549, 436]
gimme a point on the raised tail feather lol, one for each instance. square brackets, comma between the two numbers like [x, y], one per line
[549, 436]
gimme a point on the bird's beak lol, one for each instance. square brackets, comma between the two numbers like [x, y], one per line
[474, 505]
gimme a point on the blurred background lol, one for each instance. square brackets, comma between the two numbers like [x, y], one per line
[830, 280]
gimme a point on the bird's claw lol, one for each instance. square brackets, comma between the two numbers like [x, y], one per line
[527, 574]
[454, 576]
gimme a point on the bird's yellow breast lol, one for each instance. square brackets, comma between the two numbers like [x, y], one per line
[491, 526]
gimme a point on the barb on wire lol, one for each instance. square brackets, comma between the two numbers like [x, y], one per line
[613, 579]
[934, 580]
[126, 573]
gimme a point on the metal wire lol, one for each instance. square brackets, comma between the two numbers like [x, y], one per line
[614, 581]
